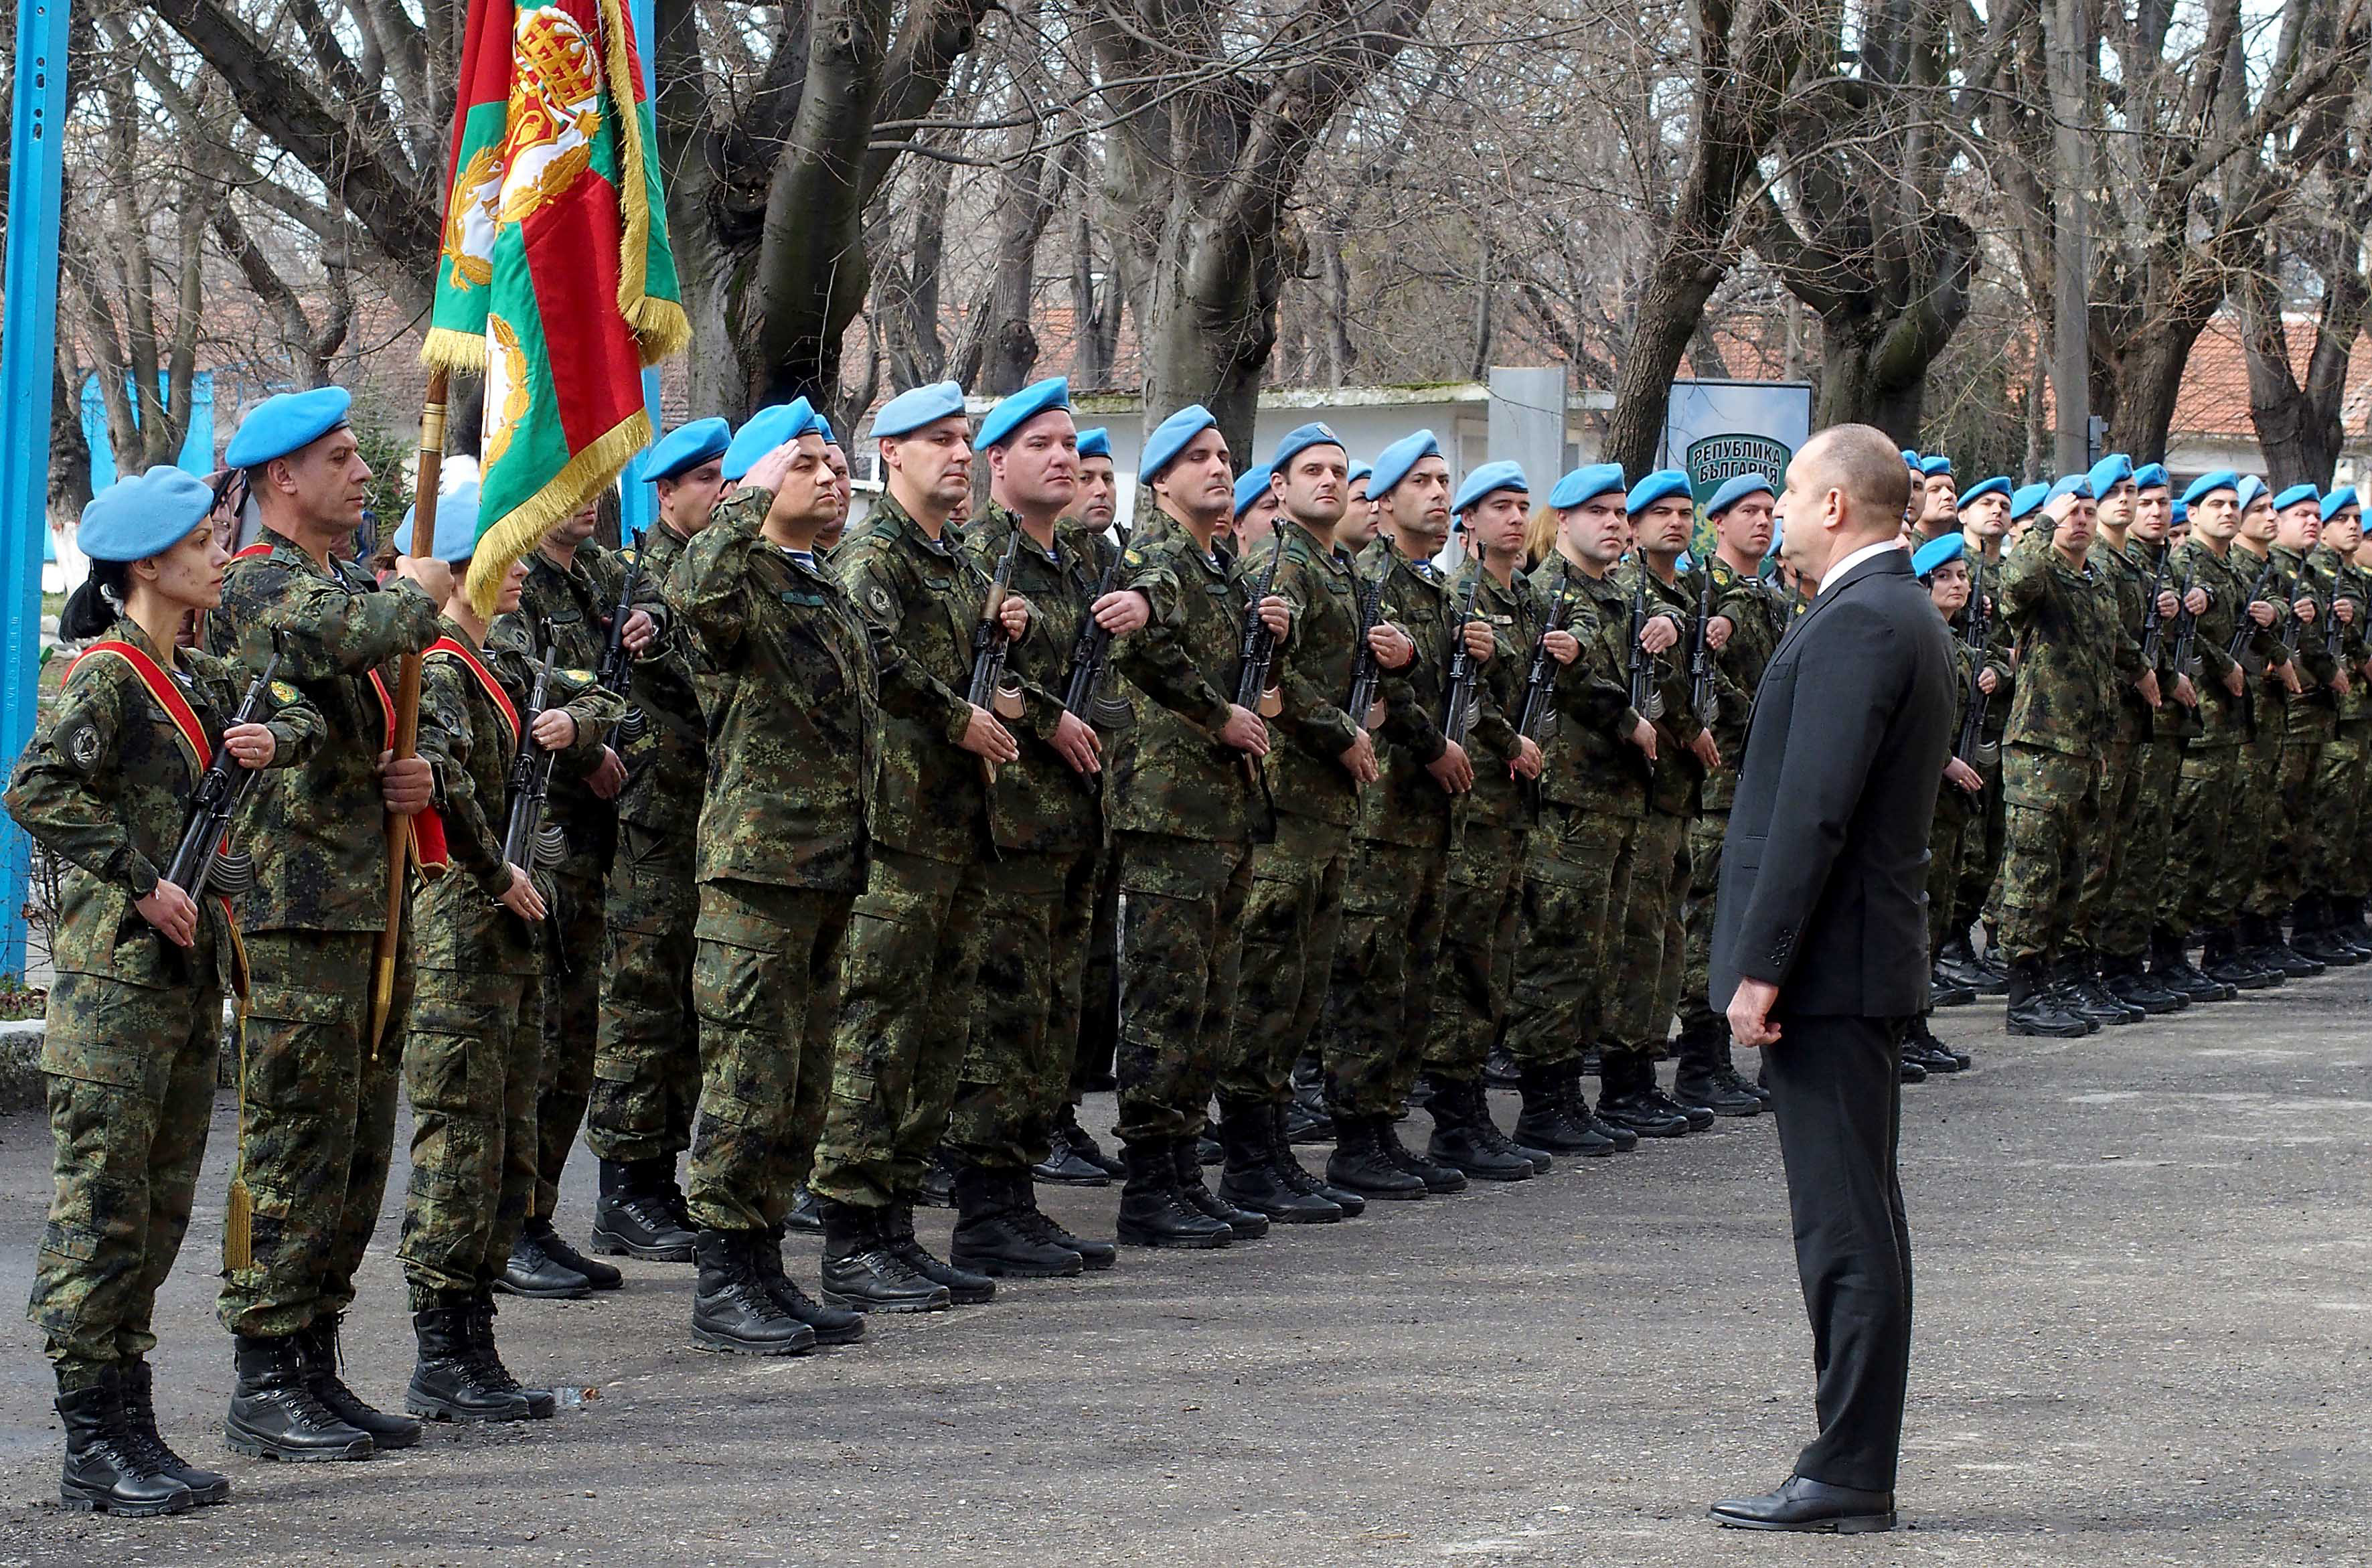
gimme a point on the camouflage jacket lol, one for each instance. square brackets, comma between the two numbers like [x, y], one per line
[1676, 775]
[1984, 580]
[1405, 806]
[920, 599]
[2313, 715]
[105, 787]
[1516, 616]
[319, 831]
[666, 760]
[1591, 764]
[1039, 804]
[2068, 628]
[794, 722]
[2221, 719]
[2171, 720]
[2336, 579]
[1110, 710]
[2129, 584]
[1758, 619]
[1312, 675]
[1168, 772]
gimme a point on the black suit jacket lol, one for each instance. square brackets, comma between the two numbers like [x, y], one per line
[1824, 870]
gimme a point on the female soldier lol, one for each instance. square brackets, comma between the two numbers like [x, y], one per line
[137, 1009]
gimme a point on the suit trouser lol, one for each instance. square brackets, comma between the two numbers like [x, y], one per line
[1833, 1087]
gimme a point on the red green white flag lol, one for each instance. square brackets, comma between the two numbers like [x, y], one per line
[556, 280]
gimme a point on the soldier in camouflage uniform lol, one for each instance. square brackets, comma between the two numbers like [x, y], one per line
[1314, 774]
[1594, 793]
[1985, 520]
[2308, 705]
[472, 1056]
[2255, 831]
[1379, 996]
[1486, 862]
[2331, 918]
[134, 1017]
[914, 934]
[573, 586]
[316, 1104]
[1183, 798]
[2064, 618]
[647, 1050]
[1046, 816]
[1748, 621]
[788, 683]
[1942, 564]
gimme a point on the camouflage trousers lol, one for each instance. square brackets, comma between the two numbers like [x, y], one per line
[905, 1021]
[1181, 934]
[765, 980]
[472, 1062]
[2103, 852]
[2339, 814]
[1025, 1018]
[1478, 949]
[2206, 877]
[1099, 983]
[2145, 843]
[1707, 833]
[1648, 951]
[1576, 874]
[1982, 849]
[572, 955]
[131, 1075]
[1378, 1006]
[2051, 807]
[646, 1066]
[2249, 833]
[1290, 925]
[1956, 812]
[2289, 835]
[316, 1124]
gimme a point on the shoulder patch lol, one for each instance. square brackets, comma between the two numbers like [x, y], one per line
[284, 693]
[878, 597]
[584, 676]
[81, 745]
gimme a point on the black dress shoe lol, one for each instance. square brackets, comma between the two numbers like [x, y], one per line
[1806, 1505]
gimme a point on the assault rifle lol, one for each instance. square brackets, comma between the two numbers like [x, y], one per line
[528, 843]
[1366, 673]
[1091, 652]
[1973, 749]
[1702, 696]
[2186, 631]
[1648, 702]
[2245, 626]
[1457, 708]
[205, 857]
[2153, 623]
[990, 647]
[617, 671]
[1537, 680]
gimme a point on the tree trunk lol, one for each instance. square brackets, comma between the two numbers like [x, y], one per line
[2299, 426]
[69, 448]
[1669, 309]
[1212, 325]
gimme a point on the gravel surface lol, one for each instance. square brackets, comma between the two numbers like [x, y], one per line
[2144, 1317]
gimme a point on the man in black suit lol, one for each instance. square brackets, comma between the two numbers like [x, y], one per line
[1820, 947]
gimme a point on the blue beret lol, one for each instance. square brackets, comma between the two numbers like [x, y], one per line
[1737, 490]
[1393, 463]
[2249, 488]
[1935, 552]
[1169, 438]
[2207, 483]
[1095, 442]
[909, 412]
[2294, 495]
[1910, 459]
[2150, 476]
[2110, 472]
[1997, 486]
[768, 428]
[997, 426]
[284, 423]
[2069, 485]
[1301, 438]
[1250, 487]
[2338, 500]
[457, 526]
[1657, 486]
[135, 518]
[1930, 466]
[686, 447]
[1586, 484]
[823, 428]
[1364, 471]
[2178, 513]
[2024, 501]
[1501, 475]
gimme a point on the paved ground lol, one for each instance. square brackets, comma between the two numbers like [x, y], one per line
[2144, 1325]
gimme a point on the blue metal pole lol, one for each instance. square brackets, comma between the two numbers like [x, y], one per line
[641, 503]
[28, 342]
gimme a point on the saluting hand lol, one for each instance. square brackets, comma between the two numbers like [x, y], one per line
[984, 737]
[170, 910]
[1077, 743]
[251, 745]
[405, 786]
[521, 899]
[1122, 611]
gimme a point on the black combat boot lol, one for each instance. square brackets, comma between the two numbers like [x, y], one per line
[1308, 1118]
[1094, 1256]
[1627, 1097]
[992, 1238]
[802, 1216]
[1290, 1169]
[1957, 961]
[1084, 1144]
[1248, 1224]
[541, 1403]
[1908, 1069]
[1547, 1121]
[633, 1218]
[275, 1413]
[534, 1273]
[2310, 934]
[1066, 1163]
[1579, 1111]
[863, 1273]
[449, 1382]
[2352, 925]
[731, 1308]
[1463, 1135]
[1151, 1211]
[1704, 1075]
[2295, 964]
[2171, 966]
[938, 1188]
[2125, 979]
[139, 1419]
[1992, 966]
[2222, 962]
[1944, 990]
[833, 1325]
[316, 1348]
[1253, 1177]
[1360, 1163]
[965, 1288]
[1920, 1044]
[1501, 1070]
[2081, 992]
[2033, 1011]
[110, 1466]
[2262, 944]
[1437, 1176]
